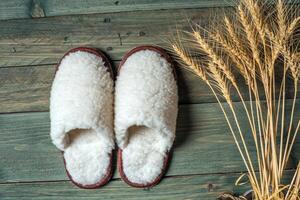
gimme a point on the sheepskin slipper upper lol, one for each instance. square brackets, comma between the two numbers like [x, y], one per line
[146, 104]
[81, 113]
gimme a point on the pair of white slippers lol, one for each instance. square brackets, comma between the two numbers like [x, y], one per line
[88, 113]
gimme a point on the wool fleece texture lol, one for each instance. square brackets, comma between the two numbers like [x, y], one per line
[146, 104]
[81, 112]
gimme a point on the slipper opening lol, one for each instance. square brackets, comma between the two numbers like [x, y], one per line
[143, 155]
[86, 156]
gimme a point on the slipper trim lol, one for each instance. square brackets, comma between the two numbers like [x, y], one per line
[92, 51]
[163, 53]
[157, 49]
[109, 169]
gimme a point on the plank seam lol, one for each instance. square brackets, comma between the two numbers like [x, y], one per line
[119, 179]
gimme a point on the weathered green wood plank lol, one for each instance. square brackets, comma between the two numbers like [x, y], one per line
[203, 187]
[27, 88]
[43, 41]
[296, 149]
[203, 145]
[15, 9]
[24, 89]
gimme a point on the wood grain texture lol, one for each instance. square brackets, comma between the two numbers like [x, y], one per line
[44, 40]
[28, 88]
[39, 42]
[203, 187]
[203, 145]
[16, 9]
[24, 89]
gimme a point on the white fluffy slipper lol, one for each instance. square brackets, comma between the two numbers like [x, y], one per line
[81, 113]
[146, 104]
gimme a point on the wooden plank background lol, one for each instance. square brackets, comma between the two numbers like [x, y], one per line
[16, 9]
[203, 187]
[34, 34]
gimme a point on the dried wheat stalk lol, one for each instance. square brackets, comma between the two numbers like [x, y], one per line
[253, 44]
